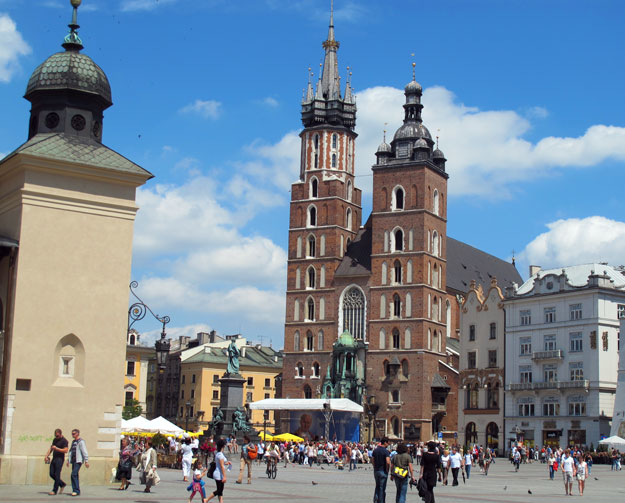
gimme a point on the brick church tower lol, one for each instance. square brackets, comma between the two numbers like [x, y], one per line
[325, 217]
[407, 283]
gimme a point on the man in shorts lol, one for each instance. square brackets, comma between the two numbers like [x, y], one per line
[568, 471]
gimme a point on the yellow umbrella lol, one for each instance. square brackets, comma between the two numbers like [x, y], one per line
[288, 437]
[265, 436]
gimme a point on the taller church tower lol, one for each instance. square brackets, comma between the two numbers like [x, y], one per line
[325, 217]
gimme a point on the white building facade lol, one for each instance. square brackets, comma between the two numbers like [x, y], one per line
[562, 339]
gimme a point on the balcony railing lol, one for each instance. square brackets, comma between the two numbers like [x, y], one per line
[534, 386]
[439, 407]
[555, 354]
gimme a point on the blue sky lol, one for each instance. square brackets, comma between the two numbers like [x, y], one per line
[526, 96]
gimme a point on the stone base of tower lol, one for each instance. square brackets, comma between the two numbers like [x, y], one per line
[31, 470]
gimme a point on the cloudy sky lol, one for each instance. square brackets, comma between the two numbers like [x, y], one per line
[526, 97]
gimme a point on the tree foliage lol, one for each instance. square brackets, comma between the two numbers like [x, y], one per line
[131, 409]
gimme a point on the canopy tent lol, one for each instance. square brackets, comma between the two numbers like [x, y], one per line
[333, 404]
[265, 436]
[136, 425]
[162, 425]
[614, 441]
[287, 437]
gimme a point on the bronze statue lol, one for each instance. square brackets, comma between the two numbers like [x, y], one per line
[233, 358]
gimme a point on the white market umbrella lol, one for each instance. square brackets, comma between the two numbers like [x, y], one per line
[136, 425]
[614, 441]
[162, 425]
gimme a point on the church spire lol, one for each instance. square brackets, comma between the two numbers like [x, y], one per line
[330, 85]
[72, 41]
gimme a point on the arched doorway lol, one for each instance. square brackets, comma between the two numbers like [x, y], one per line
[471, 434]
[492, 436]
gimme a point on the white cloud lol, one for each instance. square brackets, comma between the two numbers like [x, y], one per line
[538, 112]
[209, 109]
[143, 5]
[486, 149]
[270, 102]
[576, 241]
[12, 46]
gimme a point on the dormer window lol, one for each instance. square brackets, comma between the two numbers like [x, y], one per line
[402, 149]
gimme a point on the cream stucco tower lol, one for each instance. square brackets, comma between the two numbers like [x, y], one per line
[67, 210]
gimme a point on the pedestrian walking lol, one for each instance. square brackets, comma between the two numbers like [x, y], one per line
[468, 460]
[77, 456]
[568, 472]
[187, 457]
[381, 466]
[455, 463]
[430, 464]
[124, 467]
[582, 473]
[551, 460]
[58, 448]
[220, 472]
[401, 472]
[149, 459]
[248, 454]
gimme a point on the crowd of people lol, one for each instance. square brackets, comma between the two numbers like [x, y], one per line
[400, 461]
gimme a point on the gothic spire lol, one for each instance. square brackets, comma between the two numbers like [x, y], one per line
[72, 41]
[330, 84]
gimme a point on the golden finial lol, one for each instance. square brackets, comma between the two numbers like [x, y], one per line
[438, 131]
[75, 3]
[413, 67]
[385, 124]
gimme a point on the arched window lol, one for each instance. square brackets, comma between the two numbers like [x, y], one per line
[408, 305]
[435, 243]
[298, 278]
[315, 369]
[299, 370]
[396, 427]
[299, 247]
[396, 338]
[396, 306]
[397, 271]
[384, 273]
[348, 219]
[354, 312]
[383, 346]
[471, 434]
[398, 199]
[435, 276]
[387, 369]
[399, 240]
[435, 308]
[387, 240]
[410, 240]
[310, 342]
[334, 160]
[310, 311]
[314, 187]
[296, 345]
[296, 310]
[320, 340]
[429, 338]
[322, 245]
[334, 141]
[312, 216]
[435, 341]
[383, 306]
[349, 190]
[312, 248]
[311, 277]
[322, 308]
[435, 204]
[131, 340]
[307, 392]
[316, 150]
[405, 369]
[492, 436]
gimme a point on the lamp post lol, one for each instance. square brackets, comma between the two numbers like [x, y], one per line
[372, 410]
[265, 418]
[137, 312]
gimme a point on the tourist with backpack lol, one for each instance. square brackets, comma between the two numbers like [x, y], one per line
[249, 453]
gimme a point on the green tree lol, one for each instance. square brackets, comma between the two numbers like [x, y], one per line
[159, 440]
[131, 409]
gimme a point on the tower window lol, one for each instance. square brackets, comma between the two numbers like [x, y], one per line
[354, 312]
[395, 338]
[396, 306]
[348, 219]
[435, 204]
[310, 346]
[334, 160]
[316, 369]
[311, 309]
[334, 141]
[312, 216]
[397, 268]
[398, 199]
[311, 246]
[399, 240]
[311, 277]
[349, 190]
[313, 187]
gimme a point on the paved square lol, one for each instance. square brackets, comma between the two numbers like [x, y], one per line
[295, 483]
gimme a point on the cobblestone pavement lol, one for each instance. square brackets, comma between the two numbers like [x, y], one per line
[295, 483]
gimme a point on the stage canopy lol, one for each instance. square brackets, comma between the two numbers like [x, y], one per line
[333, 404]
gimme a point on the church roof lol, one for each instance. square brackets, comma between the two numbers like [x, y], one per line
[357, 259]
[465, 263]
[62, 147]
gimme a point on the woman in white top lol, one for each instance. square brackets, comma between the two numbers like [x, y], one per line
[187, 457]
[582, 474]
[468, 458]
[220, 472]
[445, 465]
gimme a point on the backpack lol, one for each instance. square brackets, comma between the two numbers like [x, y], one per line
[211, 469]
[252, 451]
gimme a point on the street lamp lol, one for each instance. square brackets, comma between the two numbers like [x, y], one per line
[372, 410]
[265, 418]
[137, 312]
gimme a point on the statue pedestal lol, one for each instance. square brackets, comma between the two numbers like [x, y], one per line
[231, 399]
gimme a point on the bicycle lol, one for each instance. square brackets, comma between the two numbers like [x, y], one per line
[272, 467]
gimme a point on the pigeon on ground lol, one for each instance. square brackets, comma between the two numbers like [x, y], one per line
[529, 492]
[596, 478]
[314, 483]
[322, 468]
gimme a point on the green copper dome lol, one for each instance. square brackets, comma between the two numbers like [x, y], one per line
[70, 70]
[346, 339]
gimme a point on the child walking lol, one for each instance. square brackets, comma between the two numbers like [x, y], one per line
[197, 486]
